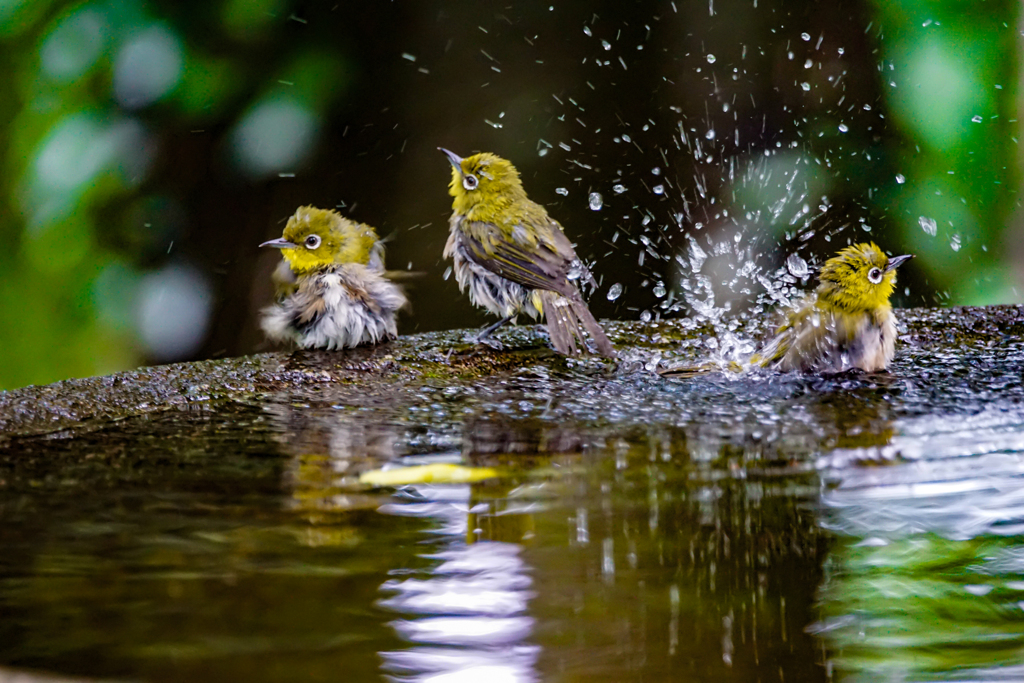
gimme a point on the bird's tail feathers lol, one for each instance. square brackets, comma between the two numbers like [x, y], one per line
[567, 319]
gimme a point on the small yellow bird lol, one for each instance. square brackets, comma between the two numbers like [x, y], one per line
[514, 258]
[846, 323]
[332, 292]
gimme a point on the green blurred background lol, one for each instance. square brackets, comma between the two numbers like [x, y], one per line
[690, 148]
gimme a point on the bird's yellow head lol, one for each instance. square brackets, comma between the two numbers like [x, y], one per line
[859, 278]
[316, 238]
[484, 182]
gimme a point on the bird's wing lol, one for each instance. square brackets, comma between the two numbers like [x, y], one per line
[794, 331]
[538, 259]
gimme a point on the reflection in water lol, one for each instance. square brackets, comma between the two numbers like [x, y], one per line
[467, 614]
[634, 529]
[464, 611]
[928, 581]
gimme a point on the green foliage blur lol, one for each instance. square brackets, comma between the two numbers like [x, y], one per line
[910, 609]
[150, 145]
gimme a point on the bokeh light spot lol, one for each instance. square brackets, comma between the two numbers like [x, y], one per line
[173, 311]
[274, 136]
[147, 67]
[74, 46]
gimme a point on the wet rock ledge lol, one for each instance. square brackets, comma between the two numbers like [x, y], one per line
[78, 404]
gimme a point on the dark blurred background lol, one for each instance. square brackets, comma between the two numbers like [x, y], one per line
[705, 155]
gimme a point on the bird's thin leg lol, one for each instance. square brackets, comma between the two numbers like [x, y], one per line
[484, 336]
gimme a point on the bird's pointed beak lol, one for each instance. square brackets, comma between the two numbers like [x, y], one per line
[279, 243]
[896, 261]
[454, 158]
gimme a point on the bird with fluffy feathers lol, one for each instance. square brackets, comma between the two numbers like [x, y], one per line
[333, 292]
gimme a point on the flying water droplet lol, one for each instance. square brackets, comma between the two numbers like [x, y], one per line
[606, 45]
[711, 59]
[796, 266]
[614, 292]
[658, 189]
[576, 270]
[976, 119]
[659, 290]
[562, 191]
[954, 243]
[656, 170]
[806, 36]
[900, 179]
[928, 225]
[806, 86]
[596, 201]
[710, 135]
[586, 30]
[645, 317]
[618, 188]
[843, 128]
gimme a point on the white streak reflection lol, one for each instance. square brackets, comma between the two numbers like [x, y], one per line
[968, 483]
[467, 615]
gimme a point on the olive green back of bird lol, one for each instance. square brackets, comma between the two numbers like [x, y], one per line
[503, 230]
[509, 230]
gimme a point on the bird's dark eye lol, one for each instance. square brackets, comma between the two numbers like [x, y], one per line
[470, 182]
[875, 275]
[312, 242]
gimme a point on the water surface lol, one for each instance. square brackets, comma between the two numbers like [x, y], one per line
[755, 528]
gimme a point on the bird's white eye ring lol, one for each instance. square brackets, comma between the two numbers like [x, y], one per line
[875, 276]
[313, 241]
[470, 182]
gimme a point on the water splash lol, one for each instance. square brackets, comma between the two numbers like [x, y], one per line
[928, 225]
[797, 266]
